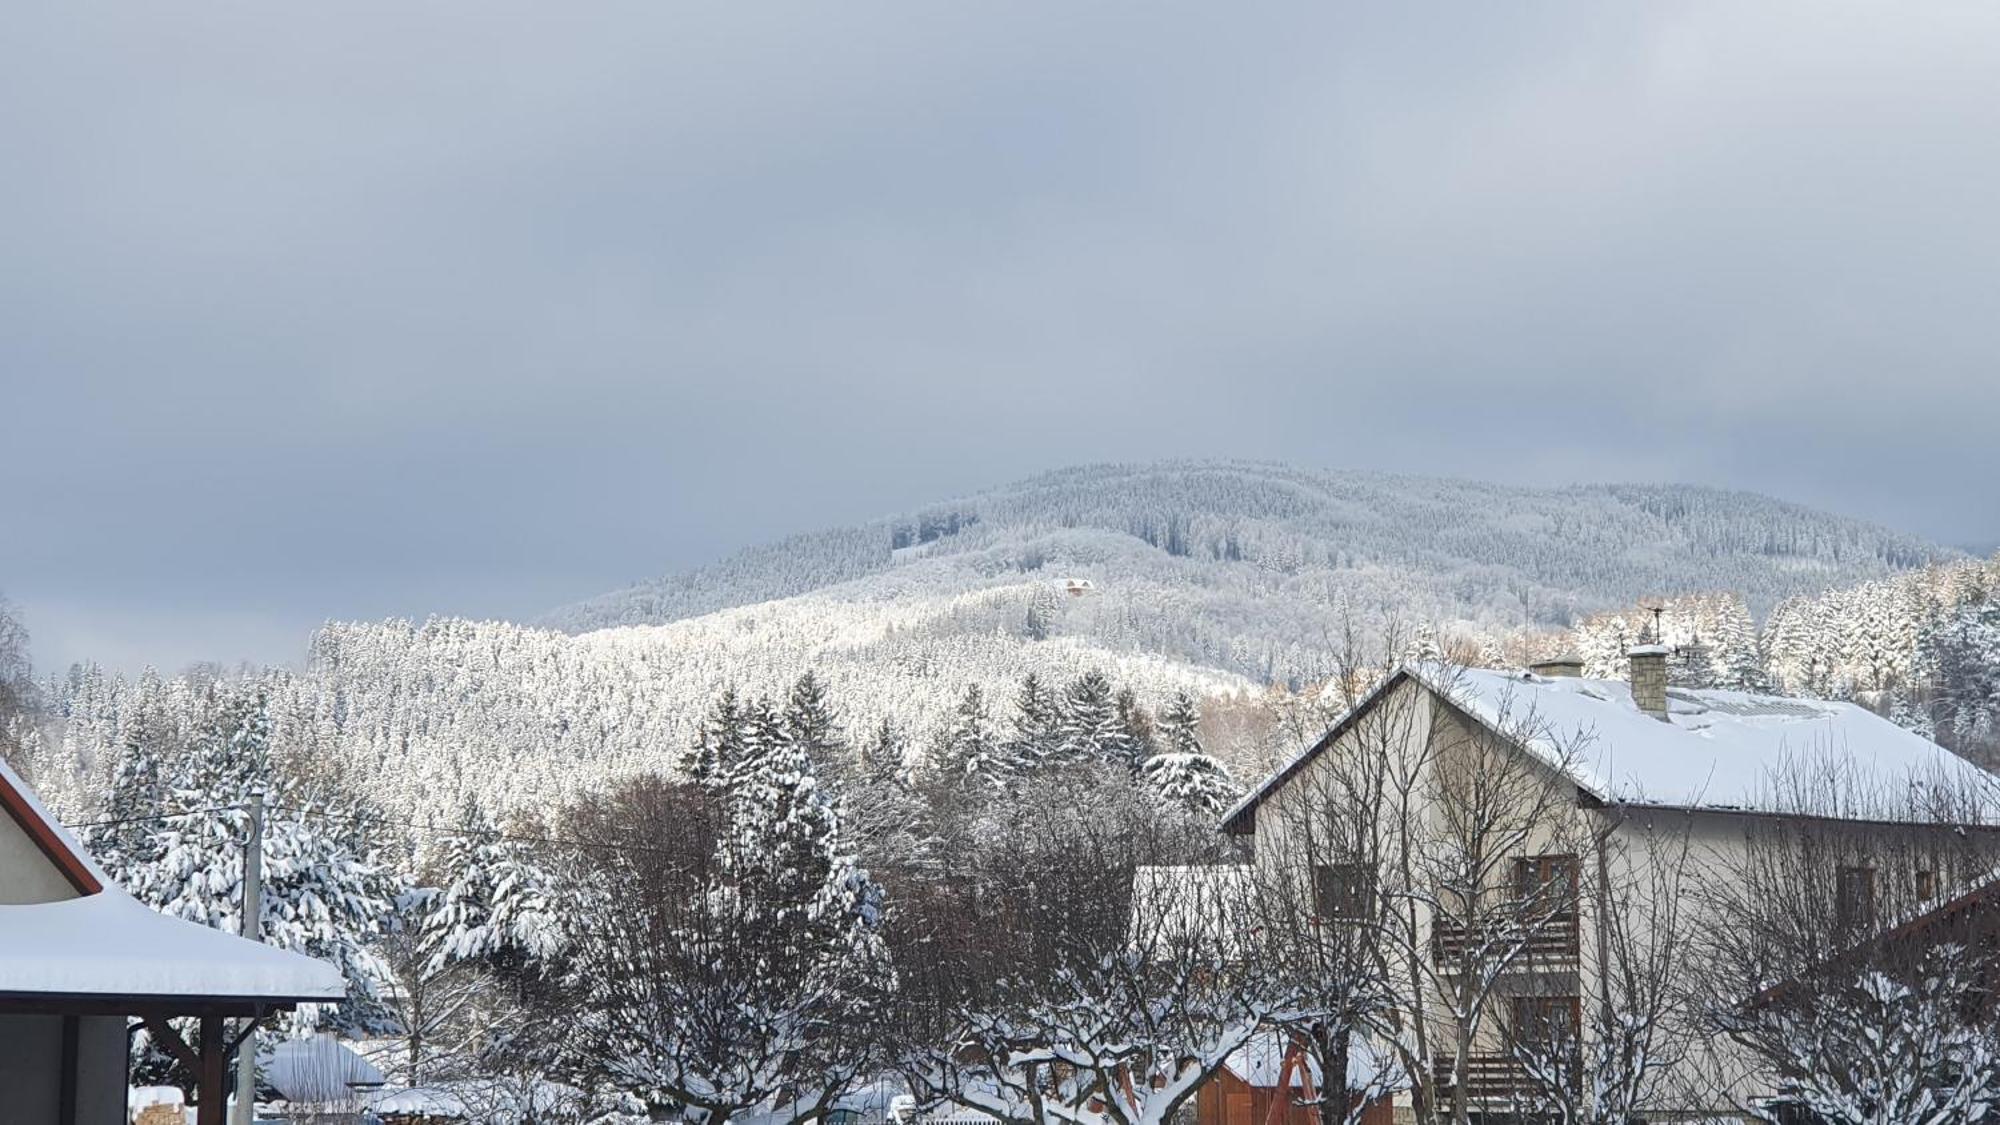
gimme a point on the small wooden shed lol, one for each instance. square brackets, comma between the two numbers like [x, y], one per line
[1264, 1083]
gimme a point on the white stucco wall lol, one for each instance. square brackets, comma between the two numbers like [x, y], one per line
[26, 874]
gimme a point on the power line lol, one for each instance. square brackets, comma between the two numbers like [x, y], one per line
[153, 817]
[431, 829]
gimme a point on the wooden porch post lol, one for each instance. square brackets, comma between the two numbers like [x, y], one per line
[214, 1056]
[66, 1081]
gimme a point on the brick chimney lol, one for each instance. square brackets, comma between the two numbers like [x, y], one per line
[1649, 679]
[1566, 666]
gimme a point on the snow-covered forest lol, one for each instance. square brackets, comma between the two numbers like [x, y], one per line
[1249, 567]
[1230, 582]
[819, 809]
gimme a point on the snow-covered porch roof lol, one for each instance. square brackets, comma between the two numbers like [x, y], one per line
[108, 951]
[104, 952]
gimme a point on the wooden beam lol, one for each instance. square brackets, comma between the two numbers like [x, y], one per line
[66, 1080]
[143, 1007]
[171, 1042]
[212, 1108]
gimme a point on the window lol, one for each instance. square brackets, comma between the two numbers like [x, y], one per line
[1926, 885]
[1545, 882]
[1544, 1021]
[1344, 890]
[1854, 896]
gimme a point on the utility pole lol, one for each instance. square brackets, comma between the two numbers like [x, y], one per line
[253, 928]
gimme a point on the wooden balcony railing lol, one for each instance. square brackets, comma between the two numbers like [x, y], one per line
[1490, 1078]
[1553, 939]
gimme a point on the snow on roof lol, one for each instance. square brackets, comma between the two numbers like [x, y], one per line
[140, 1097]
[1718, 750]
[17, 791]
[112, 944]
[319, 1069]
[108, 943]
[1261, 1061]
[1175, 905]
[485, 1099]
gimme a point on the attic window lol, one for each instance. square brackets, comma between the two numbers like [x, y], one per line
[1926, 885]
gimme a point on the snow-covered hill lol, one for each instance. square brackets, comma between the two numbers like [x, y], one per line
[1213, 578]
[1250, 567]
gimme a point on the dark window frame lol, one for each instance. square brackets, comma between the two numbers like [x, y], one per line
[1344, 891]
[1529, 1020]
[1854, 896]
[1534, 875]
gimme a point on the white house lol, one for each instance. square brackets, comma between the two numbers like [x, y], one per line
[1611, 767]
[80, 960]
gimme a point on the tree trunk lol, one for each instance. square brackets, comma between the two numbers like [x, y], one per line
[1333, 1048]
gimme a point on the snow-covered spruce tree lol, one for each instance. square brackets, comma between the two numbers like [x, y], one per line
[1958, 674]
[967, 756]
[1037, 737]
[1180, 771]
[742, 977]
[1877, 1050]
[495, 906]
[814, 725]
[722, 746]
[1089, 728]
[326, 893]
[881, 810]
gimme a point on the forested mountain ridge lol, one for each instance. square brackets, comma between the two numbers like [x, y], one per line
[1493, 556]
[1217, 580]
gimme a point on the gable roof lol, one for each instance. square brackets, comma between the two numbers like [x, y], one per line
[55, 842]
[1720, 751]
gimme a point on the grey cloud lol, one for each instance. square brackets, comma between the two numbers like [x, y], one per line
[377, 308]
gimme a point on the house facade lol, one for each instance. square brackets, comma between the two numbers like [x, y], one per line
[1539, 863]
[82, 963]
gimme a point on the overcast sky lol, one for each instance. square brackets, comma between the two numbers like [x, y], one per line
[359, 309]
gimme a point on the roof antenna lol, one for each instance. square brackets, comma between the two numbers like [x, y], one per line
[1656, 611]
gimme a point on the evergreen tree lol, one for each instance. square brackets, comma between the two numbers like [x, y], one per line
[1037, 737]
[719, 748]
[1136, 727]
[968, 752]
[1089, 729]
[495, 906]
[814, 725]
[741, 990]
[326, 892]
[1179, 723]
[1181, 772]
[1958, 666]
[1690, 664]
[884, 759]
